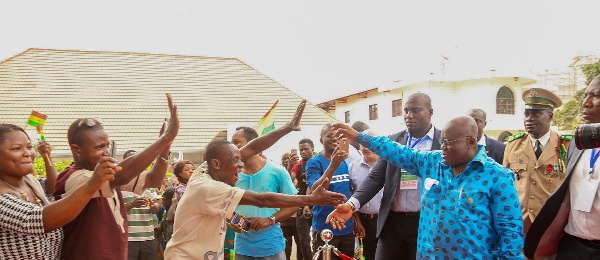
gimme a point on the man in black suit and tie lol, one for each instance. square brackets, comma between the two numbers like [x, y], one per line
[493, 147]
[568, 225]
[398, 219]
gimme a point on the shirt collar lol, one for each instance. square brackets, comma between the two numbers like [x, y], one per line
[429, 134]
[481, 140]
[543, 140]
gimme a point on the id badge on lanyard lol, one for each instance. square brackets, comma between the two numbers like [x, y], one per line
[588, 187]
[407, 181]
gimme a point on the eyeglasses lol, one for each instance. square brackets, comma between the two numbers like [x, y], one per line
[446, 142]
[90, 121]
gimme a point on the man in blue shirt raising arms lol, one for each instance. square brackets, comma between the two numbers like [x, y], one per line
[469, 203]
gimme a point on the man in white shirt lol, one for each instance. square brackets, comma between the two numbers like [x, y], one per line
[569, 223]
[200, 222]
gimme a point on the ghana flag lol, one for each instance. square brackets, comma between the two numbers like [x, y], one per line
[267, 122]
[36, 118]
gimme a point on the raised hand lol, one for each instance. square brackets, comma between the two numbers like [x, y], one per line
[44, 148]
[325, 197]
[173, 126]
[338, 156]
[346, 131]
[338, 217]
[105, 171]
[294, 124]
[293, 159]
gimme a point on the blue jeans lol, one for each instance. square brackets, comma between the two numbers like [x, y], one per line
[280, 256]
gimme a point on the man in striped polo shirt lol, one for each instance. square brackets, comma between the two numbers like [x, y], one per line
[141, 242]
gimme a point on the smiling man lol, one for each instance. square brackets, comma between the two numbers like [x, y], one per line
[200, 224]
[537, 158]
[469, 204]
[398, 218]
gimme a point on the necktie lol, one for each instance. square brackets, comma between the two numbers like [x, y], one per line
[538, 149]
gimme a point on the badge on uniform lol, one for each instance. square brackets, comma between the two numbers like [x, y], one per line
[407, 181]
[551, 170]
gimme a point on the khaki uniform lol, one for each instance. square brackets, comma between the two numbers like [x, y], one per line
[536, 179]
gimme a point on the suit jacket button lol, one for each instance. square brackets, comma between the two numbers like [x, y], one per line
[532, 197]
[533, 182]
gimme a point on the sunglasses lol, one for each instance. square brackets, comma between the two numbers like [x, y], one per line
[90, 121]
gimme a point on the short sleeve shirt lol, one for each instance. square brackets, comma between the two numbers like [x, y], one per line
[200, 227]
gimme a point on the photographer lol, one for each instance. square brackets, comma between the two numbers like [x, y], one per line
[569, 222]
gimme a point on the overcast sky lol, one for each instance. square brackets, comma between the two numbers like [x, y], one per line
[321, 49]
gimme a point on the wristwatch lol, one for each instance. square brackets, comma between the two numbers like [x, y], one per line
[272, 218]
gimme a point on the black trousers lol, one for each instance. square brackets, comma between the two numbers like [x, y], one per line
[290, 232]
[572, 247]
[369, 222]
[398, 239]
[344, 243]
[303, 227]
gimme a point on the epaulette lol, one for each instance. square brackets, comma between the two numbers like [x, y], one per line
[515, 137]
[567, 137]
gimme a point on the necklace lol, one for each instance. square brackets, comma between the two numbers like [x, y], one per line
[23, 194]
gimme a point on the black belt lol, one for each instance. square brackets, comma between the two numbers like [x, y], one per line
[406, 214]
[594, 243]
[368, 216]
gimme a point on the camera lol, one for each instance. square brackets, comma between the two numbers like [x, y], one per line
[587, 136]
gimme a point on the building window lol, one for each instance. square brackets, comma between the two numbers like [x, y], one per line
[347, 117]
[505, 101]
[396, 107]
[373, 112]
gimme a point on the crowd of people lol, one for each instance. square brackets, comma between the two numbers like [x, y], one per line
[422, 193]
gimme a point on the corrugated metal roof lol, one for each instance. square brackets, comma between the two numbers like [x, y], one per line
[127, 90]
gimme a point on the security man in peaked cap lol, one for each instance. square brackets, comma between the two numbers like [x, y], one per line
[537, 157]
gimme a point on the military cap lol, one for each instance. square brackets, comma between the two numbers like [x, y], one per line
[539, 98]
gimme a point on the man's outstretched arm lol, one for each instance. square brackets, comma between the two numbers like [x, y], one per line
[262, 143]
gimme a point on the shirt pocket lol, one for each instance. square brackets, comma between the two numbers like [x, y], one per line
[471, 206]
[518, 170]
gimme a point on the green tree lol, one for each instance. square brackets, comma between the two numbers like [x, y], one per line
[591, 71]
[40, 168]
[569, 116]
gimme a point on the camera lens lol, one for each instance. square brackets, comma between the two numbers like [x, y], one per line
[587, 136]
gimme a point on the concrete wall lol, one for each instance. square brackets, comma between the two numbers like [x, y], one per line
[449, 100]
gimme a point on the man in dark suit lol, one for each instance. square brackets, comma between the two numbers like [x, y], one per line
[493, 147]
[398, 219]
[568, 225]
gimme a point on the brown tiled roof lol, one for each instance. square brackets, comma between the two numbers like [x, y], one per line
[127, 90]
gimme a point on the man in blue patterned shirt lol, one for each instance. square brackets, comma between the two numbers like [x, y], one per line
[469, 208]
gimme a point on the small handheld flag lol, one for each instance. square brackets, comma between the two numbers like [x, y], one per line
[40, 132]
[267, 122]
[36, 118]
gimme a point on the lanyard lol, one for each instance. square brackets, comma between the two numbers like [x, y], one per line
[411, 145]
[593, 160]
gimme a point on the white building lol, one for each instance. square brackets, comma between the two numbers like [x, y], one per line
[382, 109]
